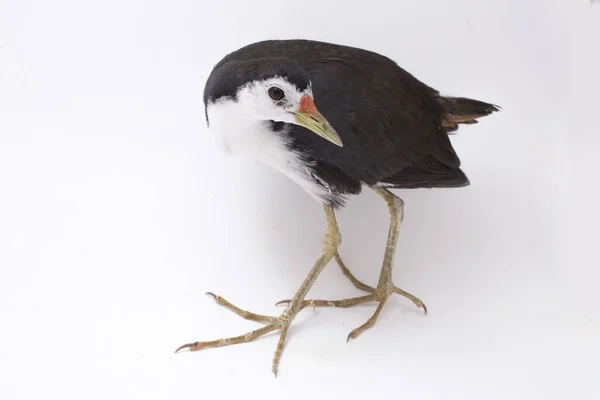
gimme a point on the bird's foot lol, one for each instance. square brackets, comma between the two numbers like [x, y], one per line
[281, 323]
[379, 294]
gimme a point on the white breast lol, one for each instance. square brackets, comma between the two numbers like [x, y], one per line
[241, 135]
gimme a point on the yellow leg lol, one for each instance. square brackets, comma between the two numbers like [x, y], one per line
[281, 323]
[385, 287]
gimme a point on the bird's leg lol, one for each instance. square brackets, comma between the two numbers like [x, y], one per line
[281, 323]
[385, 287]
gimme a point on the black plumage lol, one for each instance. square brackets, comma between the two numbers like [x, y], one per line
[394, 127]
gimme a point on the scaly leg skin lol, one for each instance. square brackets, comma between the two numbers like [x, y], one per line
[281, 323]
[385, 288]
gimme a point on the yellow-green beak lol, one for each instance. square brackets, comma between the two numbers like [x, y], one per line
[309, 117]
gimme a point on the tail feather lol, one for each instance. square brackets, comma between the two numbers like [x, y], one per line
[460, 110]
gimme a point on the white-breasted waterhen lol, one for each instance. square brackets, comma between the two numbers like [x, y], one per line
[334, 119]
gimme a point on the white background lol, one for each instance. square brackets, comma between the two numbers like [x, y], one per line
[117, 212]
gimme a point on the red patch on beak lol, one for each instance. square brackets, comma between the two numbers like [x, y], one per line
[307, 106]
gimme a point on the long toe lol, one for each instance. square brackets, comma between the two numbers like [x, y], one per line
[412, 298]
[370, 322]
[242, 313]
[344, 303]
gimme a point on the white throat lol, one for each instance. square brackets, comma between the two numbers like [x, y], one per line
[239, 133]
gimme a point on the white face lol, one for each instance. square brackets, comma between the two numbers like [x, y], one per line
[240, 130]
[272, 99]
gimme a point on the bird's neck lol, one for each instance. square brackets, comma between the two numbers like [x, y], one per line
[241, 134]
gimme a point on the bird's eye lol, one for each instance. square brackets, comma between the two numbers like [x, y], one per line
[276, 93]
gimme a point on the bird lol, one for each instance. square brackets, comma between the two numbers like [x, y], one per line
[335, 119]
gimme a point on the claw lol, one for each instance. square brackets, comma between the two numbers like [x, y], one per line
[211, 295]
[185, 346]
[354, 333]
[350, 336]
[282, 302]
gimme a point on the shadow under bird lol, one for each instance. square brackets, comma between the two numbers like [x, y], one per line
[334, 119]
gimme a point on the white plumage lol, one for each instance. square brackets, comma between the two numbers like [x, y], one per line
[242, 129]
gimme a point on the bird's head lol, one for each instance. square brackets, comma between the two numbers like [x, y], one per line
[274, 89]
